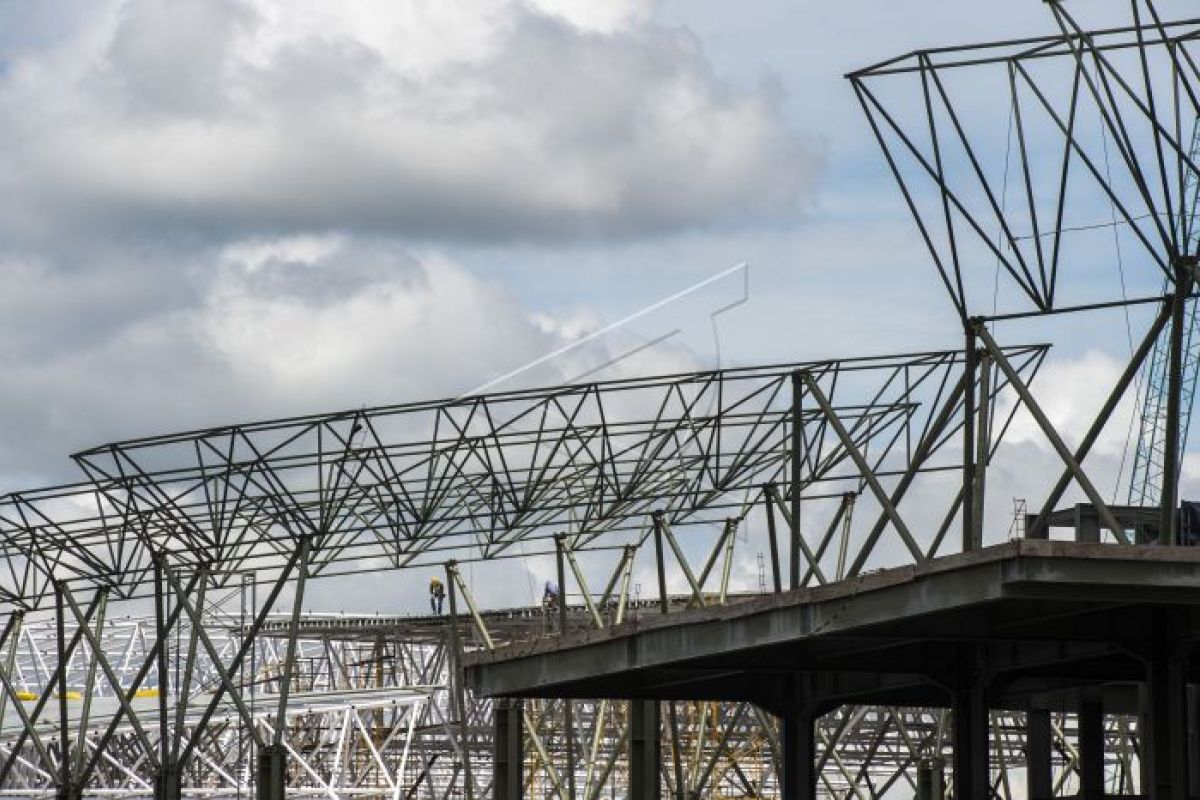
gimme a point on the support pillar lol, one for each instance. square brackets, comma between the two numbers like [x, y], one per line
[1165, 767]
[168, 782]
[65, 788]
[1091, 749]
[560, 547]
[798, 741]
[645, 750]
[509, 754]
[1039, 773]
[931, 779]
[272, 772]
[456, 681]
[971, 730]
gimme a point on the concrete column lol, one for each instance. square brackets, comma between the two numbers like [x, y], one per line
[272, 773]
[1091, 749]
[1039, 774]
[509, 755]
[798, 740]
[971, 729]
[645, 750]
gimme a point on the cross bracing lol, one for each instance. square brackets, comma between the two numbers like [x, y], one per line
[467, 479]
[1083, 133]
[369, 689]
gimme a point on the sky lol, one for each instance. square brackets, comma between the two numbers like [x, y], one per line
[222, 210]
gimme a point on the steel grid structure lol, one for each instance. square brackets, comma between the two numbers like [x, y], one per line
[466, 479]
[826, 452]
[372, 716]
[574, 470]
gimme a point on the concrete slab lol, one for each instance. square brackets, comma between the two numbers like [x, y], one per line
[1039, 616]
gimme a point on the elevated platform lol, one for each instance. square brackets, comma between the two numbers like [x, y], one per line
[1027, 624]
[1058, 611]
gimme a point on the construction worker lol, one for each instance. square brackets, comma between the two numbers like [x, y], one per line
[550, 596]
[437, 594]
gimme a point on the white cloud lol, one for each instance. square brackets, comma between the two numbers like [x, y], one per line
[1071, 392]
[606, 17]
[281, 326]
[482, 120]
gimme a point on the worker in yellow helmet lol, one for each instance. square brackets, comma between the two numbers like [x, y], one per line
[437, 593]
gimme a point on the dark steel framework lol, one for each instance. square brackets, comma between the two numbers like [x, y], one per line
[419, 484]
[1097, 122]
[569, 470]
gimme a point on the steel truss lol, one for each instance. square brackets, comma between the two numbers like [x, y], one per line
[849, 465]
[680, 461]
[1099, 137]
[419, 484]
[372, 715]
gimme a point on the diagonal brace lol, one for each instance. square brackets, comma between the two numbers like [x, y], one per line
[98, 653]
[1039, 416]
[864, 468]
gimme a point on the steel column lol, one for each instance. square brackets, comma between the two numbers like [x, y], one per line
[773, 541]
[456, 681]
[798, 780]
[1039, 774]
[1165, 768]
[645, 750]
[1168, 525]
[659, 563]
[1091, 749]
[971, 729]
[560, 546]
[970, 363]
[931, 779]
[65, 789]
[797, 461]
[509, 754]
[272, 772]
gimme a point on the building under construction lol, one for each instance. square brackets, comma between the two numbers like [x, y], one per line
[903, 632]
